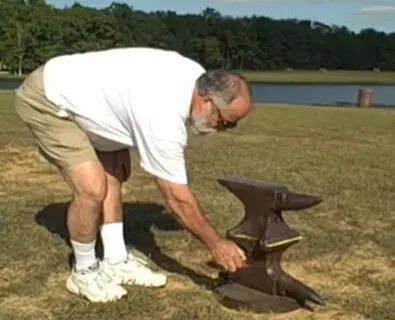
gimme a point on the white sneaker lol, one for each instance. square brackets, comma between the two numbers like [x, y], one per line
[134, 271]
[94, 284]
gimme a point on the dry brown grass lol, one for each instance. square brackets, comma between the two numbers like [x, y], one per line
[346, 156]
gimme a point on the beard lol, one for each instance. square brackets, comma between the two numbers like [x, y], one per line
[199, 125]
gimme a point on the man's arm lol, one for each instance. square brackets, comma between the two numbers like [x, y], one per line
[183, 203]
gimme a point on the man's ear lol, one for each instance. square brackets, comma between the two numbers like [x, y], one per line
[206, 99]
[207, 103]
[204, 103]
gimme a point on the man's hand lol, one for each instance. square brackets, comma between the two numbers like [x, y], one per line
[182, 202]
[229, 255]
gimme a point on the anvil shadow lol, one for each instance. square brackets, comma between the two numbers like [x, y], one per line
[139, 218]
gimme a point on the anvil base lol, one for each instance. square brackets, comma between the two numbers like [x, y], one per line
[235, 296]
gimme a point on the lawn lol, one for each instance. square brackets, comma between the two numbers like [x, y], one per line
[309, 77]
[346, 156]
[322, 77]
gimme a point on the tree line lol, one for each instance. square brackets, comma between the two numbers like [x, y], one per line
[32, 31]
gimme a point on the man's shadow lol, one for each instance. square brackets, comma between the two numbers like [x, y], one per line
[139, 218]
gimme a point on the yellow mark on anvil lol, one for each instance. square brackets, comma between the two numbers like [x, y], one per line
[244, 236]
[267, 245]
[283, 242]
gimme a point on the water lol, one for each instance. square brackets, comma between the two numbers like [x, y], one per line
[321, 94]
[298, 94]
[9, 84]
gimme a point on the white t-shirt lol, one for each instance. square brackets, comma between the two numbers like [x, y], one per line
[129, 97]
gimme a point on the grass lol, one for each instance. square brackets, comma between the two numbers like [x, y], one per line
[308, 77]
[322, 77]
[5, 76]
[344, 155]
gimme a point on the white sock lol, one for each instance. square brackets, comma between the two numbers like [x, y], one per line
[84, 254]
[113, 242]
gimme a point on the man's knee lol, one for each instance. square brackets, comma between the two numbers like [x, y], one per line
[88, 182]
[94, 194]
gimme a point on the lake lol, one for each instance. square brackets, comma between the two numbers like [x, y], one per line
[9, 84]
[299, 94]
[321, 94]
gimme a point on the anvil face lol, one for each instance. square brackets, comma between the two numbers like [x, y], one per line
[263, 234]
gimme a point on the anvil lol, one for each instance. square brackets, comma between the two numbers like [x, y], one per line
[262, 285]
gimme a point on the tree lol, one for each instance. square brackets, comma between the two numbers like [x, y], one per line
[16, 24]
[31, 32]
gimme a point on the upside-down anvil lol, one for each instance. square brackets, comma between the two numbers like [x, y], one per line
[263, 285]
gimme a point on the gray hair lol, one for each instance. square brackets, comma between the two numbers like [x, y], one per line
[222, 86]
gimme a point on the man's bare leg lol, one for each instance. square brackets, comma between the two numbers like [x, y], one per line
[87, 182]
[112, 205]
[89, 186]
[124, 268]
[117, 170]
[112, 229]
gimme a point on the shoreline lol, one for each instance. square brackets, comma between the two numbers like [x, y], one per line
[300, 77]
[340, 105]
[323, 83]
[335, 77]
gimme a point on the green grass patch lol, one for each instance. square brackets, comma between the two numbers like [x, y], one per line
[322, 77]
[346, 156]
[5, 76]
[305, 77]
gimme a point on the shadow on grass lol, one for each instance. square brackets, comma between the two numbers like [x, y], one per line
[139, 218]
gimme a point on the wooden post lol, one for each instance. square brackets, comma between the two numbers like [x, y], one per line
[365, 98]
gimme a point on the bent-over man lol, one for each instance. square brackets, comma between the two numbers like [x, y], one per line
[87, 110]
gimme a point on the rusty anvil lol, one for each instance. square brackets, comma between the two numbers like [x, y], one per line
[263, 286]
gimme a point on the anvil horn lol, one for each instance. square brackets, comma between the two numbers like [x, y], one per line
[296, 201]
[299, 291]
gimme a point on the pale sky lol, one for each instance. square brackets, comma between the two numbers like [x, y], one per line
[354, 14]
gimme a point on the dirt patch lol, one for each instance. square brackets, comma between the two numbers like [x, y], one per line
[22, 307]
[34, 306]
[178, 284]
[23, 167]
[356, 275]
[11, 272]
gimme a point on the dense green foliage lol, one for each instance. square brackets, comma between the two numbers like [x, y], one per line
[31, 31]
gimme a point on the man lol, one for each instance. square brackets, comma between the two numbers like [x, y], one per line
[87, 110]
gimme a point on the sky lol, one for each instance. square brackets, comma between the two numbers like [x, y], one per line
[354, 14]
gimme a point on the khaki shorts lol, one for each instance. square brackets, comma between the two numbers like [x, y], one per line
[61, 141]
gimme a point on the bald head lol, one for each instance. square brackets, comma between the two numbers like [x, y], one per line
[219, 101]
[229, 91]
[222, 86]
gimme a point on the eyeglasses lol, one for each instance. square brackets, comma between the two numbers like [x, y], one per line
[222, 123]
